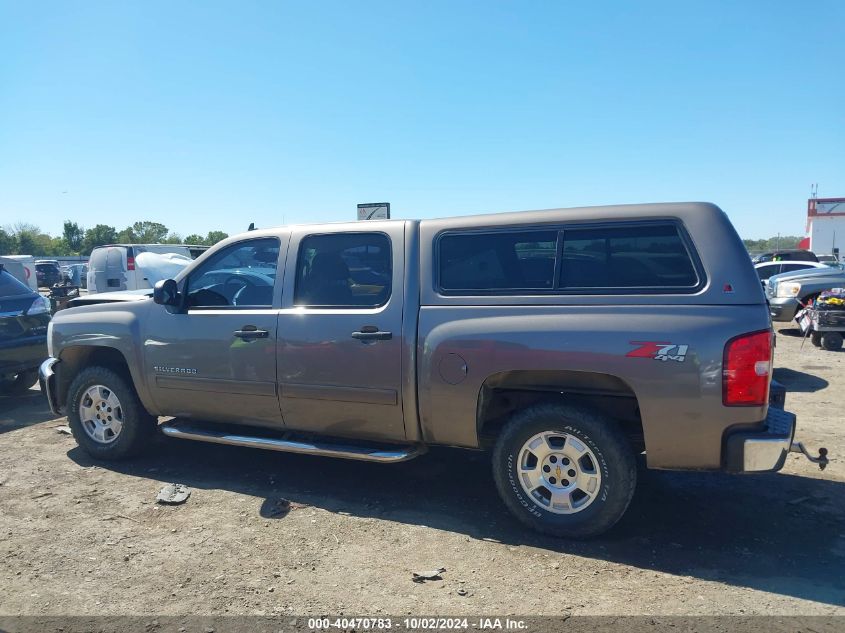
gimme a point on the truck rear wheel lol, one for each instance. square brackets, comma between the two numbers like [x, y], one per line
[564, 470]
[106, 417]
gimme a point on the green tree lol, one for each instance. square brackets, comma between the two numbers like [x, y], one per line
[126, 236]
[98, 236]
[72, 235]
[194, 239]
[147, 232]
[784, 242]
[27, 238]
[8, 244]
[173, 238]
[58, 246]
[214, 237]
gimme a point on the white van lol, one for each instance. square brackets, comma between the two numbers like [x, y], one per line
[125, 267]
[22, 267]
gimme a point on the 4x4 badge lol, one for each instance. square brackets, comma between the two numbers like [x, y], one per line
[659, 350]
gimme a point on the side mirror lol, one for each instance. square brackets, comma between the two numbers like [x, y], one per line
[166, 293]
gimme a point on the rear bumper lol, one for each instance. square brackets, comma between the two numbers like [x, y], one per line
[764, 450]
[48, 381]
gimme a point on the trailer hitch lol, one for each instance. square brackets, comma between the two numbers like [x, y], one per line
[821, 460]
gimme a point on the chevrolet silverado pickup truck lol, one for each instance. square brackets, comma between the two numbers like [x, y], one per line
[566, 342]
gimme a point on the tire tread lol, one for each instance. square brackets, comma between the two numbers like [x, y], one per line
[139, 426]
[604, 432]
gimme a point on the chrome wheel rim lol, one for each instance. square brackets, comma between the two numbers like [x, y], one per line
[101, 414]
[559, 472]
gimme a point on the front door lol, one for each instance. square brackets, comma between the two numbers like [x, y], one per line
[340, 332]
[215, 358]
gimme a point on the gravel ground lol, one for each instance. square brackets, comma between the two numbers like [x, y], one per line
[268, 533]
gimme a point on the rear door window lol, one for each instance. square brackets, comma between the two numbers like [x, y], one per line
[789, 268]
[344, 270]
[764, 272]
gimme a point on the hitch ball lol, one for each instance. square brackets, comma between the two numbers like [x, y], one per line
[821, 460]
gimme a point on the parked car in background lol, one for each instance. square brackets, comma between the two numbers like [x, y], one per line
[787, 292]
[47, 273]
[793, 255]
[24, 316]
[769, 269]
[76, 274]
[828, 259]
[116, 267]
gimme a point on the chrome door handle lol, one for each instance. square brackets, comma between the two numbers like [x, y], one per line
[367, 334]
[249, 333]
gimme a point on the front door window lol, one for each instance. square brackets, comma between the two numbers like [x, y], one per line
[240, 276]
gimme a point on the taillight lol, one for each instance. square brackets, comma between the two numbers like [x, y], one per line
[130, 263]
[746, 370]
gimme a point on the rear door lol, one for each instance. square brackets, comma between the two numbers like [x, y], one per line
[340, 341]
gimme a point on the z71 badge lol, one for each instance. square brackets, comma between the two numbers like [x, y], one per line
[659, 350]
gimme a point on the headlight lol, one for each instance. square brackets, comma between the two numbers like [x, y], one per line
[50, 339]
[788, 289]
[40, 306]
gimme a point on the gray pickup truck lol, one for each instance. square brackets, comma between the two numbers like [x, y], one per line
[566, 341]
[788, 292]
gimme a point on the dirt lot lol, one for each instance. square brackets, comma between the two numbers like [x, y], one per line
[77, 537]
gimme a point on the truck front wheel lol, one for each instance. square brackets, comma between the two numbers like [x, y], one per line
[106, 417]
[564, 470]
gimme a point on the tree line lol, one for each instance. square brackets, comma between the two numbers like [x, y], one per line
[772, 243]
[29, 239]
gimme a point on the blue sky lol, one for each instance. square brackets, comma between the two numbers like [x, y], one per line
[211, 115]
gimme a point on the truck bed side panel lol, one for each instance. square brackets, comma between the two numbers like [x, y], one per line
[680, 400]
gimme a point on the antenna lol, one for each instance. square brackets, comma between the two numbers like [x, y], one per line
[814, 190]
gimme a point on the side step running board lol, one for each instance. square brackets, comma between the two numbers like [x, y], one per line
[287, 444]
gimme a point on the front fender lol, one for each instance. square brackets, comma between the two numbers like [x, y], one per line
[78, 332]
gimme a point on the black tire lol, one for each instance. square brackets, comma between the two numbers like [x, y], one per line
[616, 463]
[816, 338]
[832, 341]
[20, 384]
[138, 425]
